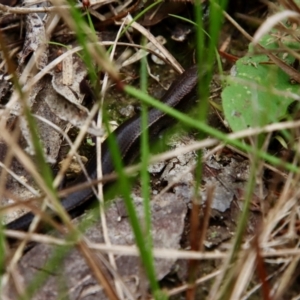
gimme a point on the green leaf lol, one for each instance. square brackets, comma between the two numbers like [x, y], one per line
[251, 99]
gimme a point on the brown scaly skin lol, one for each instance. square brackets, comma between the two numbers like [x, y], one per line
[180, 95]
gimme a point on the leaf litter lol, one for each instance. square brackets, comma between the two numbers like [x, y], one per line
[59, 100]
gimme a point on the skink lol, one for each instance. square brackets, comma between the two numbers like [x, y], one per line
[180, 95]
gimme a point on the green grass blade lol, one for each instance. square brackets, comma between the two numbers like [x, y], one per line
[124, 186]
[192, 123]
[145, 180]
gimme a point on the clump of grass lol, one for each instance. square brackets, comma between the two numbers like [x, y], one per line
[244, 254]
